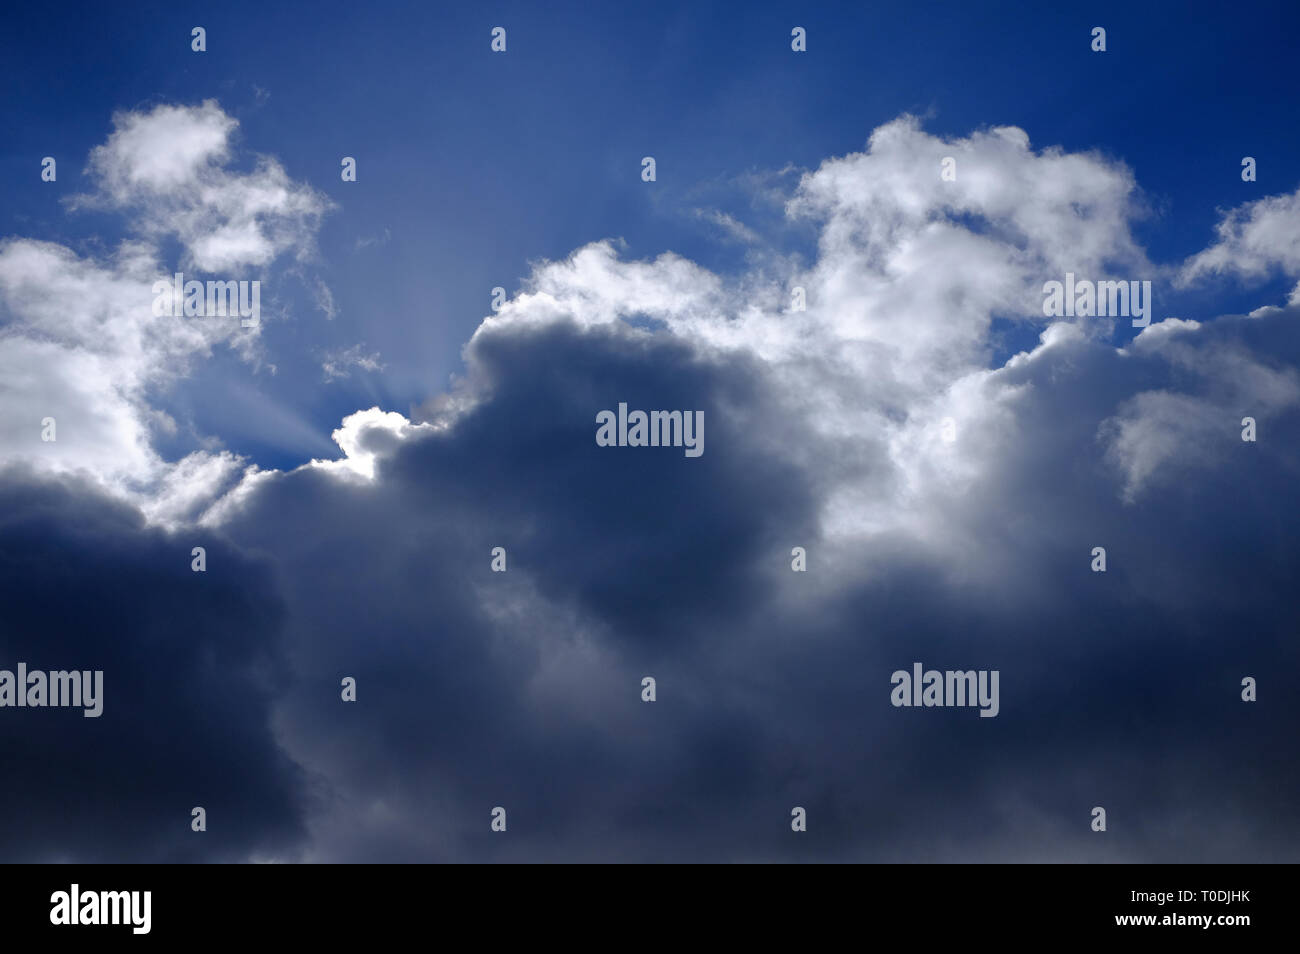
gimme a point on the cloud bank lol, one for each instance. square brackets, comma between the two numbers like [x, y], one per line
[948, 503]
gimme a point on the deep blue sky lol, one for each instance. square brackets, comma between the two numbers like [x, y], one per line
[477, 164]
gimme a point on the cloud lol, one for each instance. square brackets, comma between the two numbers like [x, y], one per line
[80, 342]
[826, 429]
[911, 274]
[167, 169]
[522, 689]
[191, 668]
[365, 241]
[735, 230]
[337, 364]
[1222, 380]
[1252, 240]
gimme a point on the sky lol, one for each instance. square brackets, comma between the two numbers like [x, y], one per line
[859, 325]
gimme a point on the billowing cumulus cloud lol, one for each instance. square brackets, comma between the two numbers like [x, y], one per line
[949, 504]
[80, 341]
[1252, 240]
[191, 665]
[168, 168]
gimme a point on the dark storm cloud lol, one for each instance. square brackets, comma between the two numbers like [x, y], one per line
[190, 666]
[522, 689]
[478, 689]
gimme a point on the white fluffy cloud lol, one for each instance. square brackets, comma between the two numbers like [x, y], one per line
[894, 345]
[1253, 239]
[80, 342]
[1157, 430]
[912, 271]
[339, 364]
[167, 169]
